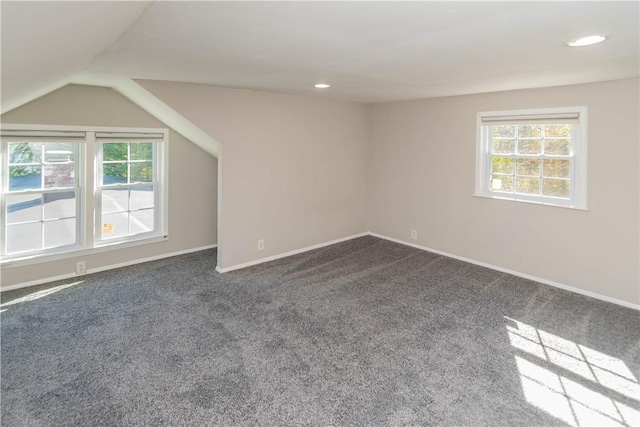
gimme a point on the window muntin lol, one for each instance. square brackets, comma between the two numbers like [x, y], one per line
[531, 159]
[41, 196]
[58, 217]
[535, 155]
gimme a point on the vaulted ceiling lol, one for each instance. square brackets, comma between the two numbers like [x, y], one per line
[367, 51]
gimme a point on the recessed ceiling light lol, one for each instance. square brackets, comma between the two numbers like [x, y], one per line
[586, 41]
[322, 85]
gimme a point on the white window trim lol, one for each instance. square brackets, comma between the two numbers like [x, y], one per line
[158, 178]
[88, 244]
[579, 160]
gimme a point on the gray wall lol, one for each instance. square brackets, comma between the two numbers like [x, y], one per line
[422, 171]
[293, 168]
[192, 177]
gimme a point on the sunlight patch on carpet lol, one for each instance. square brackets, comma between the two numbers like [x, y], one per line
[569, 380]
[40, 294]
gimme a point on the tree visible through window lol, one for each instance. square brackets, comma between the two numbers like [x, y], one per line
[532, 159]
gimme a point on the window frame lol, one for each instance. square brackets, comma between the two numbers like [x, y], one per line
[86, 160]
[577, 157]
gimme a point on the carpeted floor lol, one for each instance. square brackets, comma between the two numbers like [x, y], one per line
[365, 332]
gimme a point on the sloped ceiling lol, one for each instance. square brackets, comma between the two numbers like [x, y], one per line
[44, 44]
[368, 51]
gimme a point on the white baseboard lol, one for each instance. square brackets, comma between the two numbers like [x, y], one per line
[37, 282]
[321, 245]
[514, 273]
[104, 268]
[286, 254]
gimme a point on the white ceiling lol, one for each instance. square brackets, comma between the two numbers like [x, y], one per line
[367, 51]
[45, 43]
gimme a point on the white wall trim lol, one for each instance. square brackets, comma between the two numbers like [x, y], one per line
[104, 268]
[286, 254]
[514, 273]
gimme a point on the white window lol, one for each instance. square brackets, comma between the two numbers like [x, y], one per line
[68, 190]
[535, 156]
[127, 186]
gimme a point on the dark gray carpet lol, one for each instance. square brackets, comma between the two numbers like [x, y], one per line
[366, 332]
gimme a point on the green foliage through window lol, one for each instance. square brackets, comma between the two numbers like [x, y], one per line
[127, 162]
[520, 160]
[24, 152]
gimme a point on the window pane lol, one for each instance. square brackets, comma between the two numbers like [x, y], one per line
[504, 131]
[142, 197]
[528, 131]
[114, 173]
[24, 237]
[502, 165]
[24, 208]
[504, 146]
[556, 168]
[529, 146]
[141, 221]
[59, 233]
[141, 172]
[557, 147]
[25, 178]
[141, 151]
[556, 187]
[59, 205]
[59, 175]
[114, 151]
[115, 225]
[115, 200]
[502, 183]
[25, 152]
[557, 130]
[528, 167]
[527, 185]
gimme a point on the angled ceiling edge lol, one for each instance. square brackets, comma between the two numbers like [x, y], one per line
[154, 106]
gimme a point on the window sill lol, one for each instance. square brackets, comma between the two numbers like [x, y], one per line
[78, 252]
[533, 202]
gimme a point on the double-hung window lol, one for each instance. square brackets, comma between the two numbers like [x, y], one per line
[41, 191]
[127, 185]
[71, 189]
[533, 156]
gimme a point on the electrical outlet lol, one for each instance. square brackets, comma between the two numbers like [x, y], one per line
[414, 234]
[261, 244]
[81, 268]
